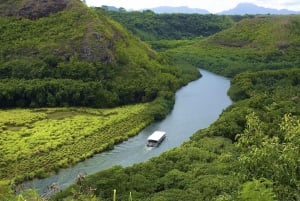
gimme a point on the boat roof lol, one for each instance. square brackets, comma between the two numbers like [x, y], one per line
[156, 135]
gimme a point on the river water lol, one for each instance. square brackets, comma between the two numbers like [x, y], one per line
[197, 105]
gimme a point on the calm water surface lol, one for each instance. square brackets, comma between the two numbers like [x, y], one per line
[197, 105]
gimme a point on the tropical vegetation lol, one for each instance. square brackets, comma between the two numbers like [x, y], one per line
[37, 142]
[257, 43]
[149, 26]
[250, 153]
[84, 60]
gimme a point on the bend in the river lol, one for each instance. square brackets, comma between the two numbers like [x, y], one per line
[197, 105]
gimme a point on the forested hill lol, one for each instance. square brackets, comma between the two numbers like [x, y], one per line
[257, 43]
[62, 53]
[252, 151]
[150, 26]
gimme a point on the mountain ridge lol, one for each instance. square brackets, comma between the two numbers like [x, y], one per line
[252, 9]
[179, 9]
[239, 9]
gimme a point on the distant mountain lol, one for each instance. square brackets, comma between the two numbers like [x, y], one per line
[181, 9]
[252, 9]
[111, 8]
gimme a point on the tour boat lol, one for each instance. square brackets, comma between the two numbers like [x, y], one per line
[156, 138]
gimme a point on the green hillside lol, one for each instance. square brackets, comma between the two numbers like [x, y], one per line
[59, 53]
[261, 42]
[252, 151]
[67, 55]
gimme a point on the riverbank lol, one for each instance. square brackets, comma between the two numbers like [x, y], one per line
[196, 107]
[39, 142]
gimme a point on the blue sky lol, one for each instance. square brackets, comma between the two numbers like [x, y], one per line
[212, 6]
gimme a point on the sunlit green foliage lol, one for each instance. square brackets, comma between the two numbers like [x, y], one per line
[265, 133]
[271, 157]
[257, 190]
[34, 143]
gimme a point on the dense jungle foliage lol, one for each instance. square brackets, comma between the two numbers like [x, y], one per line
[250, 153]
[149, 26]
[76, 57]
[261, 42]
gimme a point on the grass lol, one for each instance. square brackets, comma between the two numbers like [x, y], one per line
[38, 142]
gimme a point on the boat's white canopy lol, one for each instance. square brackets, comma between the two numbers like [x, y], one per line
[157, 135]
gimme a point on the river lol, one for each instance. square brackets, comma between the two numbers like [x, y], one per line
[197, 105]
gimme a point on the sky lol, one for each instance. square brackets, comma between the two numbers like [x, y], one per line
[213, 6]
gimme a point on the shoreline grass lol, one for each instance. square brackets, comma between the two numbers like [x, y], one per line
[38, 142]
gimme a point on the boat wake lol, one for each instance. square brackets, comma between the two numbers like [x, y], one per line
[147, 149]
